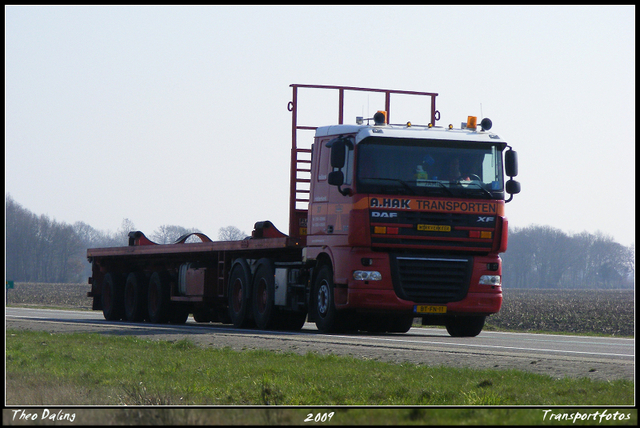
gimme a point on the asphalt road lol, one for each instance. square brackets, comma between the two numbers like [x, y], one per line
[558, 356]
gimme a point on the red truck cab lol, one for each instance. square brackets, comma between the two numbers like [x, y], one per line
[409, 222]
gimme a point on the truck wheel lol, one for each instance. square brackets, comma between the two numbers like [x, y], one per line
[112, 297]
[265, 313]
[158, 298]
[329, 319]
[239, 310]
[465, 326]
[135, 297]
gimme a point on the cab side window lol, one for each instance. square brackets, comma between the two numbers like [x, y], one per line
[347, 170]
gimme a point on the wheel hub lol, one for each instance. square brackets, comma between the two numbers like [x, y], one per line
[323, 298]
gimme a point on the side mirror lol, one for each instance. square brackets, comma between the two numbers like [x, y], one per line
[511, 163]
[337, 153]
[513, 187]
[336, 178]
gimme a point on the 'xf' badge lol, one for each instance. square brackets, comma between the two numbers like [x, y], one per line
[485, 219]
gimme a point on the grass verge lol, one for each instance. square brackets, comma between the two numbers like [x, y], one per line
[92, 369]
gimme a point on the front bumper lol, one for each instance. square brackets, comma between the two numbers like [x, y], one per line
[450, 281]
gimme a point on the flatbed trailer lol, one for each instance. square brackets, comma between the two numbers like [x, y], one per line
[197, 279]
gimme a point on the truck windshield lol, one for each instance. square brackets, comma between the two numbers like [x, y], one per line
[430, 167]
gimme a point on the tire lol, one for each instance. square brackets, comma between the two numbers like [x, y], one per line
[328, 318]
[239, 289]
[135, 297]
[265, 313]
[158, 298]
[469, 326]
[112, 296]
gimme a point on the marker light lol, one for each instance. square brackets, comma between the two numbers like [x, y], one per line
[450, 126]
[380, 229]
[380, 118]
[386, 230]
[471, 122]
[482, 234]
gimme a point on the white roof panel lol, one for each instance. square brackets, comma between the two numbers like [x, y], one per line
[399, 131]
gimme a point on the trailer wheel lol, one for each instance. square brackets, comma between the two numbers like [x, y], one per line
[470, 326]
[112, 296]
[329, 319]
[265, 313]
[135, 297]
[158, 298]
[239, 310]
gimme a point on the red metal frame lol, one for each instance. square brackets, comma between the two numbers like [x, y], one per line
[297, 216]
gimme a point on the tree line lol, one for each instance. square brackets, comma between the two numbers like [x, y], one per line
[545, 257]
[39, 249]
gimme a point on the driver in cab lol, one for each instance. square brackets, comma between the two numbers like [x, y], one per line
[453, 172]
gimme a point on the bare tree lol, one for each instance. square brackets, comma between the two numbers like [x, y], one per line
[122, 235]
[231, 233]
[168, 234]
[93, 238]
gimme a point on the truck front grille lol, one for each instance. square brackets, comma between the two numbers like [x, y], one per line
[435, 279]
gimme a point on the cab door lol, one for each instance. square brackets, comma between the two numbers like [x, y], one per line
[330, 204]
[319, 196]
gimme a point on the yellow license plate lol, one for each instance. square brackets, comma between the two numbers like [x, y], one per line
[434, 228]
[429, 309]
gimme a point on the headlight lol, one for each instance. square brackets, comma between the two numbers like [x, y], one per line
[367, 275]
[490, 280]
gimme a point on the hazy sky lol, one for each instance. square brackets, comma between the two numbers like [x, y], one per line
[177, 115]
